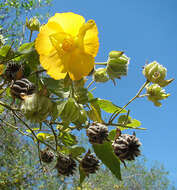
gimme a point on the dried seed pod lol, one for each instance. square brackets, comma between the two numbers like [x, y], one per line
[126, 147]
[65, 165]
[14, 71]
[97, 133]
[22, 86]
[90, 163]
[47, 156]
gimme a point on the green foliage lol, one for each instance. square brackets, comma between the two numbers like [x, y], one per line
[106, 155]
[51, 112]
[137, 176]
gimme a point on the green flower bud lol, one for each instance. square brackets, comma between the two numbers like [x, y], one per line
[33, 24]
[117, 64]
[156, 93]
[100, 75]
[156, 73]
[36, 107]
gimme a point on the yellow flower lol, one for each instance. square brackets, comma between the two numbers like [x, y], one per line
[66, 44]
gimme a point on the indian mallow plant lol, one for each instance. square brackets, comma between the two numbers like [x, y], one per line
[45, 85]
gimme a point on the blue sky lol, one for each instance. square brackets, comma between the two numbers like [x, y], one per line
[144, 30]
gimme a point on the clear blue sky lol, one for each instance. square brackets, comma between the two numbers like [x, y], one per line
[144, 30]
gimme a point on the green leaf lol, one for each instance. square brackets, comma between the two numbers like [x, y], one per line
[56, 87]
[43, 136]
[60, 106]
[108, 106]
[134, 123]
[95, 112]
[6, 52]
[105, 153]
[1, 108]
[26, 48]
[129, 122]
[34, 129]
[112, 134]
[54, 112]
[82, 174]
[68, 139]
[76, 151]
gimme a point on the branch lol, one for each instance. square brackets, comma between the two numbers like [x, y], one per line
[116, 113]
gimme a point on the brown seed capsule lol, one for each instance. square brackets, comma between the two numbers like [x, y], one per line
[65, 165]
[126, 147]
[97, 133]
[13, 71]
[90, 163]
[47, 156]
[22, 86]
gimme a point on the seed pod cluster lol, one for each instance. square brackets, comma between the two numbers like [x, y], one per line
[97, 133]
[13, 71]
[126, 147]
[22, 87]
[65, 165]
[47, 156]
[90, 163]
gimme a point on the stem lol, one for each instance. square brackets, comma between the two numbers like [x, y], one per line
[101, 63]
[90, 83]
[7, 106]
[122, 125]
[31, 33]
[114, 115]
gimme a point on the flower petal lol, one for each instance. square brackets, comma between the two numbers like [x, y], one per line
[43, 44]
[91, 41]
[70, 22]
[79, 64]
[53, 65]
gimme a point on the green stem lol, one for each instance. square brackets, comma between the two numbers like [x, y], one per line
[122, 125]
[115, 114]
[31, 33]
[90, 84]
[101, 63]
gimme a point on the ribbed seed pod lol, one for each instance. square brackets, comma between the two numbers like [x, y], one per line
[90, 163]
[97, 133]
[126, 147]
[65, 165]
[13, 71]
[22, 86]
[47, 156]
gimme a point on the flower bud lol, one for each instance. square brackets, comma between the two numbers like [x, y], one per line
[156, 73]
[33, 24]
[156, 93]
[117, 64]
[100, 75]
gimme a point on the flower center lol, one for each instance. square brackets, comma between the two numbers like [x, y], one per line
[68, 44]
[156, 74]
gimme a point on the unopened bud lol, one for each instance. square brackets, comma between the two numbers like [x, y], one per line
[117, 64]
[100, 75]
[156, 73]
[33, 24]
[156, 93]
